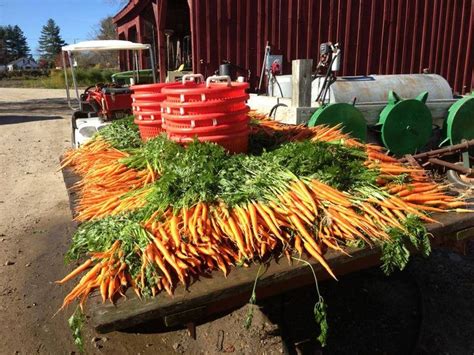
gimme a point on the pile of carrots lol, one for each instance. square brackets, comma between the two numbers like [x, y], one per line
[307, 218]
[104, 180]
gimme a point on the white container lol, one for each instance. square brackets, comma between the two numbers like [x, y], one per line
[285, 84]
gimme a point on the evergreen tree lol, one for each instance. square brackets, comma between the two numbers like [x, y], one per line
[17, 43]
[3, 49]
[13, 43]
[50, 41]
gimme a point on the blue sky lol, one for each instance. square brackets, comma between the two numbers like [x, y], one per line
[76, 18]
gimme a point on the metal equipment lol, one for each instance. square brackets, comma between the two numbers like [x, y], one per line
[226, 68]
[406, 125]
[100, 102]
[368, 107]
[169, 49]
[460, 173]
[106, 101]
[459, 124]
[329, 61]
[262, 72]
[272, 66]
[351, 119]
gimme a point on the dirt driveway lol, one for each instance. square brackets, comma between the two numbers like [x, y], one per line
[35, 227]
[428, 307]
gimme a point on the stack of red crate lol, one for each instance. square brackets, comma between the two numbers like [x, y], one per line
[214, 111]
[146, 108]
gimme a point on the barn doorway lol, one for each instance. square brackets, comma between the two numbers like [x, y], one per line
[177, 32]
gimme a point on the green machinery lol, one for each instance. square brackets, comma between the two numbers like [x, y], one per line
[459, 125]
[403, 123]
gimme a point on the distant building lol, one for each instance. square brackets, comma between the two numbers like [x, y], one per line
[23, 63]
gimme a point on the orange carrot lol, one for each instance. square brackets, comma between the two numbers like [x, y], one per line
[76, 271]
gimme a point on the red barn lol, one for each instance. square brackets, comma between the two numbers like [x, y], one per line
[377, 36]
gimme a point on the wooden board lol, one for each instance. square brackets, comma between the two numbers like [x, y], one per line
[214, 293]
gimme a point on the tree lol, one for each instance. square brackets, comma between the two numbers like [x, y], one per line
[16, 43]
[12, 43]
[3, 49]
[104, 30]
[50, 41]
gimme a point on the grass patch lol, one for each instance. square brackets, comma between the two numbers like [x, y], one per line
[55, 79]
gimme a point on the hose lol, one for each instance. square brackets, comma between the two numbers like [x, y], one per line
[330, 82]
[323, 87]
[278, 84]
[274, 108]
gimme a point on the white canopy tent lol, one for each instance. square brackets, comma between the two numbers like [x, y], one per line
[102, 45]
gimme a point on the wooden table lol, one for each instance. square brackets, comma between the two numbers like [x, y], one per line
[215, 293]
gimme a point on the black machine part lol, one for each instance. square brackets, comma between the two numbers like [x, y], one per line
[325, 48]
[327, 56]
[225, 69]
[230, 69]
[87, 105]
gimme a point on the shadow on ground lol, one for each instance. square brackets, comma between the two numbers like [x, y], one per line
[42, 105]
[367, 313]
[14, 119]
[425, 309]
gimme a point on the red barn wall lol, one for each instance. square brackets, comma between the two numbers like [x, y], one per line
[377, 36]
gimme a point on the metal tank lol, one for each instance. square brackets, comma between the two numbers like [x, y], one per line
[375, 88]
[372, 89]
[371, 93]
[402, 108]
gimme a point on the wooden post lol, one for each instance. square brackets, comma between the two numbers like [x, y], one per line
[159, 9]
[140, 29]
[301, 82]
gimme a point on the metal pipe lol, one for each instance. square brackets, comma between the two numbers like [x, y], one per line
[152, 60]
[74, 78]
[137, 68]
[452, 149]
[262, 72]
[68, 96]
[459, 168]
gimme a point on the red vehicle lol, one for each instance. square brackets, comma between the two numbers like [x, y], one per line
[100, 103]
[108, 101]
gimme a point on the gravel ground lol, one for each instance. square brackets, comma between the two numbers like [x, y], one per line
[35, 229]
[425, 309]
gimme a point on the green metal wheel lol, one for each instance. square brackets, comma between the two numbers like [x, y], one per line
[406, 124]
[459, 124]
[351, 119]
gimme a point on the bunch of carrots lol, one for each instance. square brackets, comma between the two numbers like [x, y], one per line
[305, 217]
[104, 180]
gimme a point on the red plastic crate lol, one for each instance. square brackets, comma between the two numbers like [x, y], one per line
[234, 143]
[149, 129]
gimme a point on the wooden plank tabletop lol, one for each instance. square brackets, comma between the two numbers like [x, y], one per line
[214, 293]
